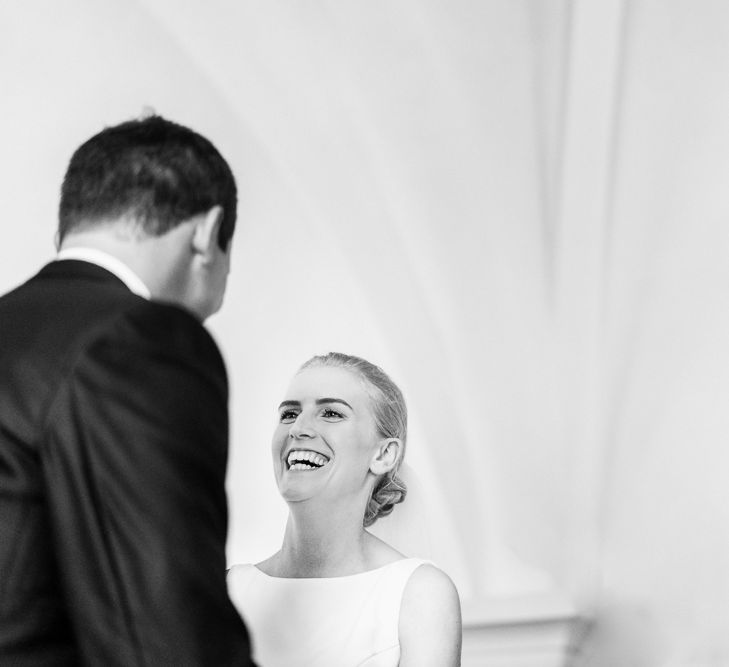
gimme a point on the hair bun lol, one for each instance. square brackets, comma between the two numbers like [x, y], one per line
[389, 492]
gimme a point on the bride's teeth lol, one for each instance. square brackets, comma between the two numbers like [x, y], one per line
[299, 459]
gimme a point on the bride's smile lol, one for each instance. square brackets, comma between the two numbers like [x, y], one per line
[305, 459]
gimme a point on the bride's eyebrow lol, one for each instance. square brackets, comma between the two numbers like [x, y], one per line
[289, 404]
[322, 401]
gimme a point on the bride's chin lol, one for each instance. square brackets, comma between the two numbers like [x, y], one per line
[294, 499]
[296, 490]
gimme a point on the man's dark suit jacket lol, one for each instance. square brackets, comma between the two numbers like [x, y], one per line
[113, 450]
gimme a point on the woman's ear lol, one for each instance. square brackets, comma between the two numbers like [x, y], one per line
[205, 237]
[386, 457]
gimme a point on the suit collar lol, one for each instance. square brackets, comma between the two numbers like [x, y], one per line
[110, 263]
[75, 269]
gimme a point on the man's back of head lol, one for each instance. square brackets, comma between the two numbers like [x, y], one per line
[150, 192]
[151, 170]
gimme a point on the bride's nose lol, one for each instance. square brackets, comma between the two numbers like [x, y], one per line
[301, 428]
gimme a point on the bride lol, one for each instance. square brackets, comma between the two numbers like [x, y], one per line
[335, 595]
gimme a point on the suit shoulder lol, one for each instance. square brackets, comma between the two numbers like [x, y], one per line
[159, 333]
[146, 339]
[167, 325]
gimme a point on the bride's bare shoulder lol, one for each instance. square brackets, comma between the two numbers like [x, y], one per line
[430, 619]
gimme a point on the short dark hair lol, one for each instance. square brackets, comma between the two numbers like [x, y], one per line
[155, 171]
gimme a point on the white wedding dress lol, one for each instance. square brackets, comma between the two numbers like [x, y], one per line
[349, 621]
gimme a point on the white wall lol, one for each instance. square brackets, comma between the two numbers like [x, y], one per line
[664, 586]
[413, 191]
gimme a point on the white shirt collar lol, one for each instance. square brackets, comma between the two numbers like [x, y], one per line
[110, 263]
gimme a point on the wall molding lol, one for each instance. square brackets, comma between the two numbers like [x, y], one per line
[537, 630]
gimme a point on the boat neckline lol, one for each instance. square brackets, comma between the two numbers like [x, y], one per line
[339, 578]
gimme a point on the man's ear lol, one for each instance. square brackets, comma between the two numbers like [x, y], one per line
[205, 237]
[386, 457]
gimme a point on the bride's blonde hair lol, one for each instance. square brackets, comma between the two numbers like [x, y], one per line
[391, 419]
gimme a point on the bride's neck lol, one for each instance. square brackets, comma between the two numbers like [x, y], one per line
[331, 544]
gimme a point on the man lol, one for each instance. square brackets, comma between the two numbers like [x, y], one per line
[113, 416]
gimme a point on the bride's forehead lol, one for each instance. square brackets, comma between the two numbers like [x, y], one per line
[327, 381]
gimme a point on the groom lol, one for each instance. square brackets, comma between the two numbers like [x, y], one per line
[113, 416]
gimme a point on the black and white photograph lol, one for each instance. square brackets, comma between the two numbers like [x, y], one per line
[371, 333]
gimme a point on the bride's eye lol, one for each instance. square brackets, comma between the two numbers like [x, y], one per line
[288, 416]
[328, 413]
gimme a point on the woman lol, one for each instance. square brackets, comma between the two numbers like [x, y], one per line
[335, 595]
